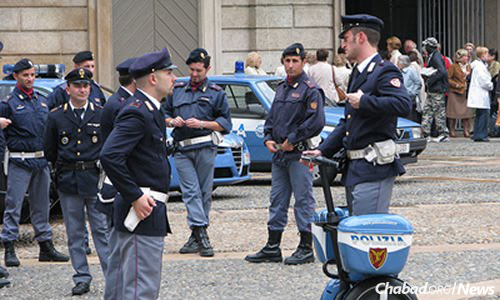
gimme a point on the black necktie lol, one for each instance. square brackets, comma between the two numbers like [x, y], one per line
[79, 112]
[354, 76]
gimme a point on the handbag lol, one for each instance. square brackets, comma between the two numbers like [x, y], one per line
[340, 91]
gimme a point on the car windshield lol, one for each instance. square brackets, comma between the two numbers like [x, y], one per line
[268, 88]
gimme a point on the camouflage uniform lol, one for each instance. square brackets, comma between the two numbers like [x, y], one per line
[434, 109]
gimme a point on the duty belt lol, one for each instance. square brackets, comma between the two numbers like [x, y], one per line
[196, 140]
[24, 155]
[79, 165]
[158, 196]
[359, 154]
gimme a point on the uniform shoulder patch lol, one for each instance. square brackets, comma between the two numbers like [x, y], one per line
[215, 87]
[281, 82]
[137, 103]
[179, 84]
[310, 84]
[395, 82]
[6, 99]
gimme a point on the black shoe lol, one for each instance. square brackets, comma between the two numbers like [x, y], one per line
[4, 283]
[49, 253]
[271, 251]
[304, 253]
[88, 251]
[201, 236]
[80, 289]
[3, 272]
[10, 257]
[191, 246]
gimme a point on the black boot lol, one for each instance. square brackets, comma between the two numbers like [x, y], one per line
[191, 246]
[271, 251]
[201, 236]
[11, 259]
[4, 283]
[3, 272]
[49, 253]
[304, 253]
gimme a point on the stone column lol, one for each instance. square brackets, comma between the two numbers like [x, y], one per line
[209, 26]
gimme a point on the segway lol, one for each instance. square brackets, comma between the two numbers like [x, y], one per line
[372, 249]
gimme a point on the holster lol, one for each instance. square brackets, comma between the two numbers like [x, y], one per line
[386, 151]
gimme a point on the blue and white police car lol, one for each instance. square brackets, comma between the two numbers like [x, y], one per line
[250, 98]
[232, 163]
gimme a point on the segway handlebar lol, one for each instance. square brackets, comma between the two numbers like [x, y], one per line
[321, 160]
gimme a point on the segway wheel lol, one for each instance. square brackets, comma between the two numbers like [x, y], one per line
[367, 290]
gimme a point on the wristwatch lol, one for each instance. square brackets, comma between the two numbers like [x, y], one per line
[171, 123]
[202, 125]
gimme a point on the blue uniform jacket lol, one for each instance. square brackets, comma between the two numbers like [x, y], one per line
[69, 140]
[25, 134]
[113, 106]
[59, 95]
[207, 103]
[384, 100]
[297, 114]
[2, 143]
[135, 155]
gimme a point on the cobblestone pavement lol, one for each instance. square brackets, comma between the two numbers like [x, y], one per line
[451, 198]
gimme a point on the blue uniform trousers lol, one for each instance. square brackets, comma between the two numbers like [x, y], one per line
[36, 182]
[114, 287]
[291, 176]
[370, 197]
[73, 207]
[196, 177]
[141, 261]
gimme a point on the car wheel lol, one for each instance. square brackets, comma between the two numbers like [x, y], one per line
[331, 174]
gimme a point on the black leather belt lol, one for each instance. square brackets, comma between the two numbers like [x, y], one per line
[79, 165]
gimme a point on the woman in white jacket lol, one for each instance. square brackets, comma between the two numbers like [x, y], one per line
[479, 97]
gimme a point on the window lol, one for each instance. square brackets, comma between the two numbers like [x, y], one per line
[243, 102]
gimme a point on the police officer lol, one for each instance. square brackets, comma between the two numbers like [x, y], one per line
[295, 118]
[376, 98]
[72, 144]
[107, 193]
[27, 166]
[84, 59]
[199, 113]
[134, 157]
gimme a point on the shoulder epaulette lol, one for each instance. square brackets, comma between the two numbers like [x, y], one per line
[179, 84]
[150, 107]
[215, 87]
[137, 103]
[310, 84]
[56, 108]
[65, 106]
[6, 99]
[97, 84]
[281, 81]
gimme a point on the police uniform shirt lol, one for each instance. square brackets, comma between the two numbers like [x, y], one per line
[297, 112]
[134, 156]
[385, 99]
[29, 119]
[207, 103]
[113, 106]
[69, 140]
[59, 95]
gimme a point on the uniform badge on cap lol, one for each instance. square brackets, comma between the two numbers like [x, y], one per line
[202, 55]
[81, 73]
[395, 82]
[314, 105]
[297, 50]
[95, 139]
[30, 63]
[65, 140]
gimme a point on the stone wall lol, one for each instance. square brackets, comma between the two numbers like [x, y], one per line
[268, 26]
[46, 31]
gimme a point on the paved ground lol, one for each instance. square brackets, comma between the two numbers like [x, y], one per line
[451, 197]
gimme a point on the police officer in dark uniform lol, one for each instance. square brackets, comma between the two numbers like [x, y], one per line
[72, 144]
[376, 98]
[199, 113]
[27, 167]
[134, 157]
[107, 191]
[84, 59]
[295, 120]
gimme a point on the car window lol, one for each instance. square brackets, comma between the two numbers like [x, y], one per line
[243, 102]
[5, 90]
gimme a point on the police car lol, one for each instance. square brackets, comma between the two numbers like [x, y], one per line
[250, 98]
[232, 163]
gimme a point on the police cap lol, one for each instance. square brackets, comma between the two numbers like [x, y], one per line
[124, 66]
[79, 75]
[83, 56]
[151, 62]
[361, 20]
[294, 50]
[197, 55]
[23, 64]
